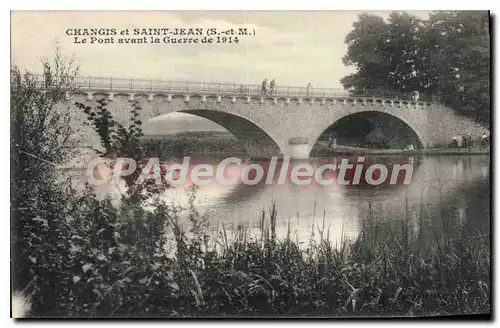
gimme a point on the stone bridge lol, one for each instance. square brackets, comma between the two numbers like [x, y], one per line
[289, 120]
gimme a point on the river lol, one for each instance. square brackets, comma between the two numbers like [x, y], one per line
[446, 194]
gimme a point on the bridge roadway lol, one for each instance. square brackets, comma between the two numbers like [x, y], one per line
[288, 120]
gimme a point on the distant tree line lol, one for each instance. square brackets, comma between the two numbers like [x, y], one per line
[445, 58]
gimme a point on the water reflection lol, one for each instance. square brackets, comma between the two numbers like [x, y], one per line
[439, 200]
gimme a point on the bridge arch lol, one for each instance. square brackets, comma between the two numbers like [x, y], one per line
[257, 141]
[391, 121]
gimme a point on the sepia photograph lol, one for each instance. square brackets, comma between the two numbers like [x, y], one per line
[250, 164]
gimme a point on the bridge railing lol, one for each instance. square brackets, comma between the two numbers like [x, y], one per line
[190, 87]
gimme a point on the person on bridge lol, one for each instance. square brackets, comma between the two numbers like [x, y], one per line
[415, 96]
[271, 87]
[242, 89]
[308, 88]
[264, 87]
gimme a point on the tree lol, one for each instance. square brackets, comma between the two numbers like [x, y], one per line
[73, 254]
[459, 58]
[38, 134]
[123, 141]
[444, 58]
[367, 52]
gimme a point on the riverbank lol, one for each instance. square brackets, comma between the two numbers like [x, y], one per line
[348, 150]
[392, 277]
[218, 146]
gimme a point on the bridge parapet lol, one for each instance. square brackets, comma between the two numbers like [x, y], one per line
[261, 99]
[151, 87]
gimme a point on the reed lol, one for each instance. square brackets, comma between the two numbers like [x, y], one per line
[236, 275]
[373, 276]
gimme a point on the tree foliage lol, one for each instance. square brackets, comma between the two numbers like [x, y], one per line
[73, 254]
[38, 136]
[445, 58]
[123, 141]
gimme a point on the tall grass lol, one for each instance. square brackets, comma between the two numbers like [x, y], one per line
[395, 275]
[132, 272]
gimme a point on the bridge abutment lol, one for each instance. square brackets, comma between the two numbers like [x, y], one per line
[298, 148]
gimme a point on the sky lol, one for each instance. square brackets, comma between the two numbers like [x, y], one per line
[293, 47]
